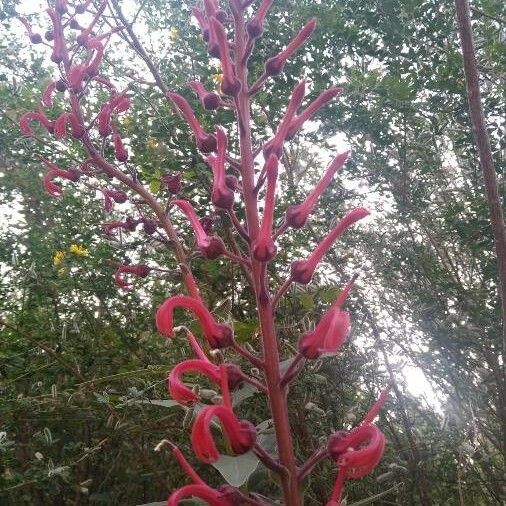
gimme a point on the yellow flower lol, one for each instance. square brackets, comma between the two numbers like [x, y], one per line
[78, 250]
[217, 79]
[151, 143]
[58, 257]
[173, 34]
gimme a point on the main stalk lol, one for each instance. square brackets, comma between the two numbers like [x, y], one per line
[276, 393]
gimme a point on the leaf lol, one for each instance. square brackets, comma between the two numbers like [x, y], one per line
[307, 301]
[168, 403]
[242, 393]
[369, 500]
[237, 470]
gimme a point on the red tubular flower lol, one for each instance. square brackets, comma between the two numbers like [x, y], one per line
[275, 145]
[104, 120]
[24, 122]
[111, 196]
[55, 171]
[376, 407]
[219, 335]
[84, 36]
[323, 99]
[35, 38]
[76, 76]
[210, 495]
[172, 182]
[221, 195]
[60, 126]
[205, 142]
[129, 225]
[47, 96]
[209, 100]
[230, 85]
[202, 21]
[120, 152]
[210, 246]
[359, 451]
[95, 61]
[255, 26]
[140, 270]
[58, 41]
[275, 65]
[241, 433]
[330, 332]
[120, 103]
[264, 248]
[185, 395]
[302, 271]
[297, 215]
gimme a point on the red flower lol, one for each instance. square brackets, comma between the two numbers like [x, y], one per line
[208, 99]
[205, 142]
[138, 270]
[263, 248]
[275, 65]
[302, 271]
[241, 433]
[210, 495]
[311, 109]
[219, 335]
[55, 171]
[275, 145]
[47, 96]
[221, 195]
[297, 215]
[210, 246]
[68, 118]
[24, 122]
[129, 225]
[330, 332]
[256, 25]
[111, 196]
[185, 395]
[230, 85]
[120, 152]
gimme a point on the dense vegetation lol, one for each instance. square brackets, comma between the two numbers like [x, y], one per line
[80, 363]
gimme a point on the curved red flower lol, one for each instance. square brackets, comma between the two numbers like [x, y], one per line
[219, 335]
[241, 433]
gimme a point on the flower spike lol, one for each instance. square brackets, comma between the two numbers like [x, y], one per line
[275, 65]
[219, 335]
[210, 246]
[301, 271]
[205, 142]
[264, 248]
[297, 215]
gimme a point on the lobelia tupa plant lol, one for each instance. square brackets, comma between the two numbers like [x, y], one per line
[230, 32]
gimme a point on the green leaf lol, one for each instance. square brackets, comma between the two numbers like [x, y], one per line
[237, 470]
[307, 301]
